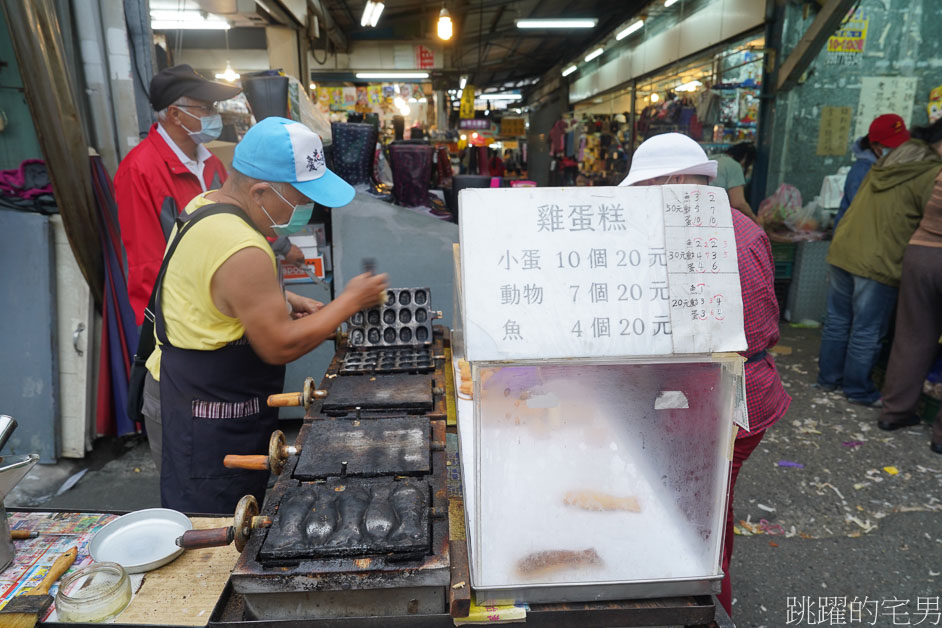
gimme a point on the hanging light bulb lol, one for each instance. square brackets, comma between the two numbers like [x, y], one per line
[229, 75]
[654, 97]
[445, 27]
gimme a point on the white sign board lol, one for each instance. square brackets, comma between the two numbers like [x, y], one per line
[884, 94]
[598, 272]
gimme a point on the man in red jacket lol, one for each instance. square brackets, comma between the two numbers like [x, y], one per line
[166, 170]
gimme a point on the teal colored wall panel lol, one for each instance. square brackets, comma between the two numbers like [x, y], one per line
[18, 141]
[902, 41]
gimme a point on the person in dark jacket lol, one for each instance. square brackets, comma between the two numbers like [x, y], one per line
[865, 260]
[886, 133]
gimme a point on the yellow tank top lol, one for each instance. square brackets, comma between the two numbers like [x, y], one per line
[192, 319]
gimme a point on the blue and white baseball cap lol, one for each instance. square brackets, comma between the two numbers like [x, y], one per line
[278, 149]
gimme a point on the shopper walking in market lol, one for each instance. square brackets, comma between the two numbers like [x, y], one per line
[675, 158]
[865, 260]
[224, 328]
[886, 133]
[918, 322]
[732, 169]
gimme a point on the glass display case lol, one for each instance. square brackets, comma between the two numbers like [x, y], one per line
[599, 479]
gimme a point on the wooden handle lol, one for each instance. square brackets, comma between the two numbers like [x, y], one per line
[23, 534]
[58, 568]
[252, 463]
[284, 400]
[199, 539]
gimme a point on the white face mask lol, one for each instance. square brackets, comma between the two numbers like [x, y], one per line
[210, 127]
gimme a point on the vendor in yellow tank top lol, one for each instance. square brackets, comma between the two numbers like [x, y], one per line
[198, 323]
[224, 325]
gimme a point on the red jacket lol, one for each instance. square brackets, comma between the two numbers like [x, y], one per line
[152, 187]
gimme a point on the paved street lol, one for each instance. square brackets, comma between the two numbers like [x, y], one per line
[844, 525]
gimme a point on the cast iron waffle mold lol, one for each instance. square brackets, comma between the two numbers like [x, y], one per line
[352, 517]
[388, 360]
[404, 320]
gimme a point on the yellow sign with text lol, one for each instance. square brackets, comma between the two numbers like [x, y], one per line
[467, 102]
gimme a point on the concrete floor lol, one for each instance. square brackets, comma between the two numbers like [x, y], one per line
[840, 527]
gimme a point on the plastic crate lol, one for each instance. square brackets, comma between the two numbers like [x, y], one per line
[783, 270]
[784, 251]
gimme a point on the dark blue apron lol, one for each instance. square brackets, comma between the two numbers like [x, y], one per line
[213, 403]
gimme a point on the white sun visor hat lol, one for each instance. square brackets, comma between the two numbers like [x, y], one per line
[668, 154]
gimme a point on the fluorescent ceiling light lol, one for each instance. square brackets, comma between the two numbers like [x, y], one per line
[634, 27]
[371, 13]
[668, 3]
[558, 23]
[377, 11]
[690, 86]
[498, 96]
[392, 75]
[462, 81]
[188, 20]
[570, 70]
[595, 53]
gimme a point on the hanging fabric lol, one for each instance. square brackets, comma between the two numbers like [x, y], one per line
[119, 331]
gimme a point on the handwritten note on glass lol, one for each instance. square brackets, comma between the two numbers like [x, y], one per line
[598, 272]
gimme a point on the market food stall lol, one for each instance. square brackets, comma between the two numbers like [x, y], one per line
[535, 461]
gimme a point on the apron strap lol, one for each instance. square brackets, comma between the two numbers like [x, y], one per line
[184, 223]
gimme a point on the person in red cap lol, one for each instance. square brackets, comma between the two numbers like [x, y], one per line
[865, 261]
[886, 133]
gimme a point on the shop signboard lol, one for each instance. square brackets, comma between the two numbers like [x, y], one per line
[598, 272]
[474, 124]
[846, 45]
[467, 102]
[424, 57]
[513, 126]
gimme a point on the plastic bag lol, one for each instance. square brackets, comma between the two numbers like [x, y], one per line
[307, 112]
[786, 220]
[775, 210]
[804, 218]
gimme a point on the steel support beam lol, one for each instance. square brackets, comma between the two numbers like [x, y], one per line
[823, 26]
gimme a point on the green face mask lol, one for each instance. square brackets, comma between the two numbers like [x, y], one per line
[300, 216]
